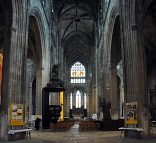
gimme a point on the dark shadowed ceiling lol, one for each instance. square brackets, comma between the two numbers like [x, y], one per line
[76, 21]
[150, 32]
[5, 21]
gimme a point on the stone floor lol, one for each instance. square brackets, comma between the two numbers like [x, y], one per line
[74, 136]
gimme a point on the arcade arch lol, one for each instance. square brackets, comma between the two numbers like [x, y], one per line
[33, 69]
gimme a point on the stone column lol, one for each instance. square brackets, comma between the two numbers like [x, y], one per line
[68, 104]
[15, 73]
[14, 66]
[65, 103]
[93, 102]
[90, 105]
[88, 109]
[38, 90]
[29, 81]
[134, 59]
[114, 94]
[4, 122]
[121, 99]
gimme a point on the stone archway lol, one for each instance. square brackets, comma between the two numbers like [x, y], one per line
[34, 67]
[115, 59]
[111, 19]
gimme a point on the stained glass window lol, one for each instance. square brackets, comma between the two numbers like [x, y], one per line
[85, 101]
[78, 73]
[71, 101]
[78, 99]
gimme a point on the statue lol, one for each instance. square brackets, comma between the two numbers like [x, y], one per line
[105, 109]
[55, 71]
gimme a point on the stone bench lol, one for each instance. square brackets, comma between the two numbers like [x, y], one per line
[137, 131]
[27, 132]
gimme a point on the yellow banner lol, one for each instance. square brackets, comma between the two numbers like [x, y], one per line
[131, 113]
[62, 104]
[16, 115]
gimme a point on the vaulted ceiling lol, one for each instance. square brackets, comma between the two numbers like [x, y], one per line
[76, 21]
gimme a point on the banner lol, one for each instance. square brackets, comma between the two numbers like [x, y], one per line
[131, 113]
[16, 114]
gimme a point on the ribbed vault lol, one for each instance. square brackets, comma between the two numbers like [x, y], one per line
[76, 22]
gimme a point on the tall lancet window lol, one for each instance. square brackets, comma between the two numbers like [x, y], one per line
[78, 99]
[78, 73]
[85, 101]
[71, 101]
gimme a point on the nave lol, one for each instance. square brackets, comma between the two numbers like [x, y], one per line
[74, 135]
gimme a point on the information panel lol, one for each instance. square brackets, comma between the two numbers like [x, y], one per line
[16, 115]
[131, 113]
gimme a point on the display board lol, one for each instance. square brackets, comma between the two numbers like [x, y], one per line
[16, 114]
[131, 113]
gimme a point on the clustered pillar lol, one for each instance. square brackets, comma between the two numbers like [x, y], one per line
[134, 60]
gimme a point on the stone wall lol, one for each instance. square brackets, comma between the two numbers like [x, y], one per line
[16, 61]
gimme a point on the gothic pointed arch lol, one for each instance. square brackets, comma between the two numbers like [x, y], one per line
[113, 14]
[34, 60]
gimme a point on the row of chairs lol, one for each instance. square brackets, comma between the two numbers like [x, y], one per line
[88, 125]
[61, 126]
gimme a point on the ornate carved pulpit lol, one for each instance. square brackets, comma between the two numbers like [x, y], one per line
[55, 85]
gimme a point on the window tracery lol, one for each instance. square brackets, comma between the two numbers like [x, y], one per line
[78, 73]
